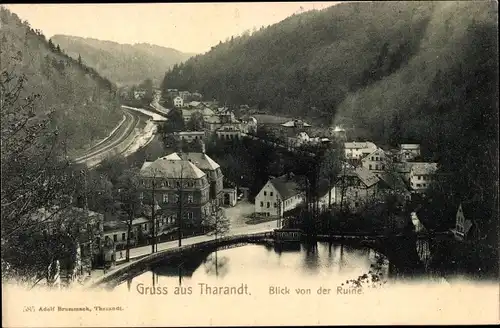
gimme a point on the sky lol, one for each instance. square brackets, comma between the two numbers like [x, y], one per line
[188, 27]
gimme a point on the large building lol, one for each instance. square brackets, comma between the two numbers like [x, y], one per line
[178, 187]
[211, 169]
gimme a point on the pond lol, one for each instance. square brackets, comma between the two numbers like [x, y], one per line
[262, 266]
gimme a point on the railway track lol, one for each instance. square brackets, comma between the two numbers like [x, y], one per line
[97, 150]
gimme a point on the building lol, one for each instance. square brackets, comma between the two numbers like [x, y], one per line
[355, 187]
[357, 150]
[465, 228]
[190, 136]
[228, 132]
[339, 133]
[212, 171]
[408, 152]
[179, 187]
[419, 227]
[139, 94]
[375, 161]
[206, 112]
[230, 196]
[194, 104]
[185, 95]
[178, 102]
[248, 124]
[422, 175]
[279, 195]
[299, 124]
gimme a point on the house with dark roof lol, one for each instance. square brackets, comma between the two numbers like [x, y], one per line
[356, 186]
[176, 186]
[279, 195]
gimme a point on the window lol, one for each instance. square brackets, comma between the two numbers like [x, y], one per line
[145, 226]
[268, 205]
[383, 167]
[271, 193]
[265, 193]
[418, 184]
[165, 198]
[190, 215]
[419, 177]
[372, 158]
[115, 237]
[178, 184]
[275, 205]
[123, 235]
[376, 167]
[190, 199]
[131, 234]
[370, 166]
[424, 185]
[141, 196]
[261, 204]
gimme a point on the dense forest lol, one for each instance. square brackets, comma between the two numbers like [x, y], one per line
[81, 104]
[124, 64]
[398, 72]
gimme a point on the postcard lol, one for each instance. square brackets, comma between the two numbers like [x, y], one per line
[250, 164]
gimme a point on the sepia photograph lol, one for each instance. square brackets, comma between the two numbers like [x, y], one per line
[250, 164]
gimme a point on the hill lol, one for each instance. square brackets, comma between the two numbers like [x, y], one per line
[124, 64]
[398, 71]
[81, 103]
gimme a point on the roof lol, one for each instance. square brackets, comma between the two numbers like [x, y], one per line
[375, 152]
[366, 176]
[172, 168]
[394, 181]
[403, 167]
[46, 215]
[294, 122]
[201, 160]
[183, 133]
[194, 103]
[424, 168]
[287, 186]
[140, 220]
[205, 111]
[359, 145]
[114, 226]
[409, 146]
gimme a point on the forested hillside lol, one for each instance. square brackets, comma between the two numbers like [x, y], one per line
[124, 64]
[81, 104]
[398, 71]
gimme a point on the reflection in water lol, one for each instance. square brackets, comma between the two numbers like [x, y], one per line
[318, 263]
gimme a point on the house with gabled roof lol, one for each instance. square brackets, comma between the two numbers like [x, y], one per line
[279, 195]
[356, 186]
[375, 161]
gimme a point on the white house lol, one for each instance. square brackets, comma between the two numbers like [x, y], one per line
[407, 152]
[178, 102]
[357, 150]
[278, 196]
[375, 161]
[422, 175]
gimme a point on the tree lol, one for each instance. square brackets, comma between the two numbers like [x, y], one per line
[217, 224]
[79, 60]
[196, 122]
[147, 85]
[127, 195]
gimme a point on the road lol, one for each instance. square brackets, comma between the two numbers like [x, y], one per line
[145, 250]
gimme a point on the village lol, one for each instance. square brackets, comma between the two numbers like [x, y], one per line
[181, 189]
